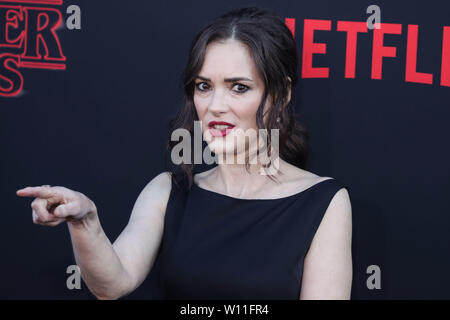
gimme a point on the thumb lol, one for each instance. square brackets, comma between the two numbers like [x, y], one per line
[67, 210]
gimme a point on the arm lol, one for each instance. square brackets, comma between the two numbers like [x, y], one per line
[139, 242]
[101, 268]
[327, 271]
[109, 270]
[115, 270]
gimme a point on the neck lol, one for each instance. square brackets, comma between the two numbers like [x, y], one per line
[235, 179]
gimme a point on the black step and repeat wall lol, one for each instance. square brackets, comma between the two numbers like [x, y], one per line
[85, 105]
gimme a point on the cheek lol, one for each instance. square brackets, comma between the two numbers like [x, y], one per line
[246, 111]
[200, 105]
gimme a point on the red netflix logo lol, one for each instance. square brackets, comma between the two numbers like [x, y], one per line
[28, 39]
[379, 51]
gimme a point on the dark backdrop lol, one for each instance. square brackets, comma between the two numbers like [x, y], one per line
[100, 127]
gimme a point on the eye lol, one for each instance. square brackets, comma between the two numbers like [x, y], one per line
[200, 87]
[241, 88]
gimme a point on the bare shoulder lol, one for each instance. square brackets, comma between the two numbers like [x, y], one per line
[305, 178]
[336, 225]
[337, 218]
[328, 263]
[162, 182]
[340, 202]
[340, 205]
[156, 193]
[162, 185]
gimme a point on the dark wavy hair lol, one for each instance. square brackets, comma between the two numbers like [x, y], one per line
[275, 54]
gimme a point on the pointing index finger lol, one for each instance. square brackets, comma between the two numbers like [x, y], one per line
[38, 192]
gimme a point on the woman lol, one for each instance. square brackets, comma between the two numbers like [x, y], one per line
[231, 232]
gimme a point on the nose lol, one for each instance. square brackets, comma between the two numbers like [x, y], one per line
[218, 102]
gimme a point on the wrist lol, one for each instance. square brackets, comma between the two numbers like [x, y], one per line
[89, 220]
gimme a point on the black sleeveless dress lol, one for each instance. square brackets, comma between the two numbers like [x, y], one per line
[220, 247]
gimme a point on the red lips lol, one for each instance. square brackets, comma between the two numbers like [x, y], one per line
[213, 123]
[218, 132]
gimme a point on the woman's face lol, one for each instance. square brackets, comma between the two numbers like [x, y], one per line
[228, 88]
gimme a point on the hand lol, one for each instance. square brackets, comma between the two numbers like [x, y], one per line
[53, 205]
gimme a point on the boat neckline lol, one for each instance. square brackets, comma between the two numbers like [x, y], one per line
[262, 199]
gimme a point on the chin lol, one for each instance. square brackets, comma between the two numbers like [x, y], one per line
[239, 158]
[221, 150]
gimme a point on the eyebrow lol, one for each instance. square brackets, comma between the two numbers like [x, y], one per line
[234, 79]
